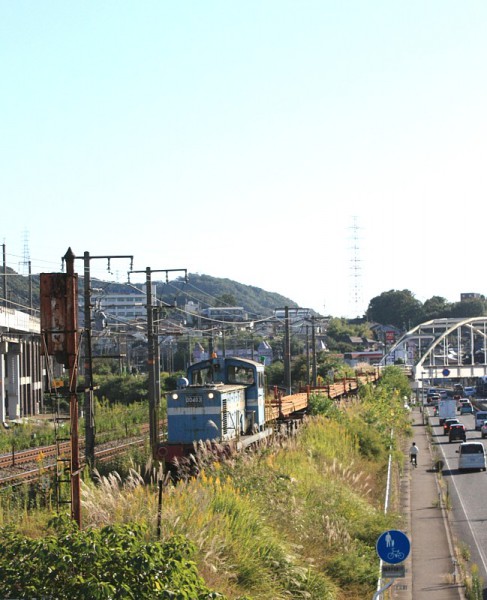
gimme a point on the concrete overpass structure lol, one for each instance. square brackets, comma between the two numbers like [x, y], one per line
[21, 364]
[443, 349]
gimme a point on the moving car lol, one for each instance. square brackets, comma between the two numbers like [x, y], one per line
[469, 391]
[466, 408]
[457, 432]
[447, 423]
[480, 417]
[471, 455]
[433, 400]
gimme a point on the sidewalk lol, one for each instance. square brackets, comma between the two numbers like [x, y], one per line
[430, 566]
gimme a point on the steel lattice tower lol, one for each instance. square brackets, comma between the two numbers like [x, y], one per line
[26, 258]
[356, 270]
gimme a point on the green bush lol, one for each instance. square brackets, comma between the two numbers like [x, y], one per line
[123, 389]
[358, 566]
[110, 563]
[370, 441]
[320, 404]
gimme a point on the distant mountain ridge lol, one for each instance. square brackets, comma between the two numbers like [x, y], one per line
[205, 290]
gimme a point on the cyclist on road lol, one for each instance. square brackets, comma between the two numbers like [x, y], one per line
[413, 454]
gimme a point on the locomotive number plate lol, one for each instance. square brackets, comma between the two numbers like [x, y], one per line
[194, 400]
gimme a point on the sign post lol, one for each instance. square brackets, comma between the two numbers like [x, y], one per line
[393, 547]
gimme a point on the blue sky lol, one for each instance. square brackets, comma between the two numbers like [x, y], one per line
[324, 150]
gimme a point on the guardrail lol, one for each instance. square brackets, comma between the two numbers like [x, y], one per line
[379, 590]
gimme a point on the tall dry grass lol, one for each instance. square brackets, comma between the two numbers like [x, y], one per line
[295, 519]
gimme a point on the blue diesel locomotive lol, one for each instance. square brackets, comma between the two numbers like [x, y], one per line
[222, 400]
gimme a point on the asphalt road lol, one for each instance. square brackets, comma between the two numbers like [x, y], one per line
[468, 495]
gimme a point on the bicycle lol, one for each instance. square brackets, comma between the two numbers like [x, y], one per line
[414, 460]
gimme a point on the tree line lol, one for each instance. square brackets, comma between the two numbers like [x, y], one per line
[401, 309]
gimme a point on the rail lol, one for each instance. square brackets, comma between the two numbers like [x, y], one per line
[18, 467]
[29, 474]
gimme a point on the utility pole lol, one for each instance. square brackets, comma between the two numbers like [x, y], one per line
[287, 344]
[30, 287]
[153, 366]
[88, 363]
[189, 351]
[287, 351]
[313, 342]
[72, 349]
[313, 320]
[307, 357]
[4, 276]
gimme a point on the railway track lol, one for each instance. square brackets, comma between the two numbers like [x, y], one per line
[26, 466]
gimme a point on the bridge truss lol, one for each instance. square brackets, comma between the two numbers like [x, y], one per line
[443, 349]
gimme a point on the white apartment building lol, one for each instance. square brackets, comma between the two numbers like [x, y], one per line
[122, 307]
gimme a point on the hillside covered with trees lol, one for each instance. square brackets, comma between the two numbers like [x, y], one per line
[202, 289]
[399, 308]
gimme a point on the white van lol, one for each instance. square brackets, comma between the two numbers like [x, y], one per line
[471, 455]
[480, 417]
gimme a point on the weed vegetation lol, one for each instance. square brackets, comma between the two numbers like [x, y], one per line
[297, 518]
[113, 421]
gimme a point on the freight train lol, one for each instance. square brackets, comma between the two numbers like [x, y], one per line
[223, 400]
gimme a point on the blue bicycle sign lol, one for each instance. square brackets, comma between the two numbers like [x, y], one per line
[393, 546]
[395, 556]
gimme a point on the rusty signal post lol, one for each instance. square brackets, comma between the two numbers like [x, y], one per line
[59, 329]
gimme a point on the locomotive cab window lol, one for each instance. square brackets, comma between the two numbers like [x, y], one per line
[240, 375]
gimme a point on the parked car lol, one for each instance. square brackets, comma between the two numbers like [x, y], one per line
[466, 408]
[457, 432]
[471, 455]
[447, 423]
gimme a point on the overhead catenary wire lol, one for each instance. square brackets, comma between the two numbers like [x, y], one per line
[182, 288]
